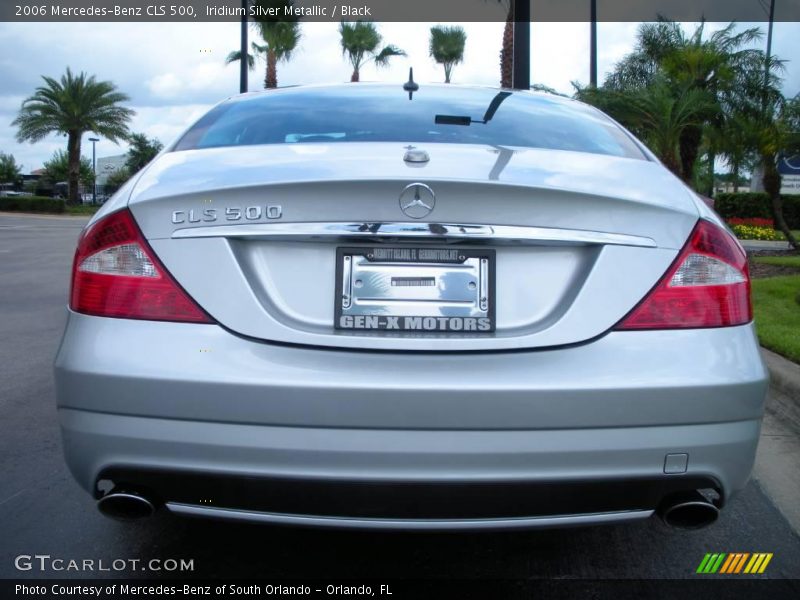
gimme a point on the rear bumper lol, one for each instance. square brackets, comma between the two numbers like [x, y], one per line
[422, 479]
[209, 423]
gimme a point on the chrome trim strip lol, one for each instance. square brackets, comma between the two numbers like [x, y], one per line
[483, 296]
[429, 232]
[415, 524]
[347, 292]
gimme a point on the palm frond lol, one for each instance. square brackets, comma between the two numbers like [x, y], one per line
[236, 56]
[382, 58]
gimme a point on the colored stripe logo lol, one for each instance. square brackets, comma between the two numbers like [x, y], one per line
[734, 563]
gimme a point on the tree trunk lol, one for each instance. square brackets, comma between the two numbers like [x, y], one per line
[735, 172]
[672, 163]
[507, 50]
[772, 186]
[689, 148]
[355, 77]
[271, 80]
[74, 166]
[447, 73]
[712, 158]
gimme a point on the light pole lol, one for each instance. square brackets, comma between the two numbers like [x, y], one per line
[94, 171]
[521, 77]
[593, 44]
[243, 66]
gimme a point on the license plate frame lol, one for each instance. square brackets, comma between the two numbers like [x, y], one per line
[415, 289]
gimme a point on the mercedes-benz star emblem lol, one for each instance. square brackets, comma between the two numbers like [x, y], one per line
[417, 200]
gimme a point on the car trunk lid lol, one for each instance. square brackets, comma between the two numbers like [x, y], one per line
[258, 236]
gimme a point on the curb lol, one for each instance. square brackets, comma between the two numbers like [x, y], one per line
[755, 245]
[785, 379]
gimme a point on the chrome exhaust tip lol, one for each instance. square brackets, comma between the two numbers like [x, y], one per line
[125, 506]
[690, 510]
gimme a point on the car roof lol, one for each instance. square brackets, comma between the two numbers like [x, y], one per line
[390, 89]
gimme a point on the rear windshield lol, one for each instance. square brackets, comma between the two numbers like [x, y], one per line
[385, 114]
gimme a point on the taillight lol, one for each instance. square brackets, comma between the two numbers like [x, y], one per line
[708, 285]
[116, 274]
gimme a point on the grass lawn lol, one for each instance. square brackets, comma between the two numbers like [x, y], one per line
[780, 261]
[777, 313]
[81, 209]
[795, 233]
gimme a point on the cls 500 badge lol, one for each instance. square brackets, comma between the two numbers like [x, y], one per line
[209, 215]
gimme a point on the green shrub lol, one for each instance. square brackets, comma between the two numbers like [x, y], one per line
[750, 205]
[31, 204]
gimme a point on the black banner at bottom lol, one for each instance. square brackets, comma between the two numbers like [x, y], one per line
[108, 589]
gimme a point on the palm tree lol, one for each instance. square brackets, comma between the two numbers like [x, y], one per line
[659, 114]
[360, 42]
[778, 131]
[766, 125]
[715, 64]
[666, 115]
[653, 42]
[281, 39]
[75, 105]
[447, 47]
[772, 125]
[280, 34]
[733, 142]
[507, 48]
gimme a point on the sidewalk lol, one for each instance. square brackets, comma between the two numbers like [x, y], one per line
[785, 378]
[778, 457]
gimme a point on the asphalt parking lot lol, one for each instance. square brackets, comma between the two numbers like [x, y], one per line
[43, 511]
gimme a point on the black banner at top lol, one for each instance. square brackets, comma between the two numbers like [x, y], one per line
[394, 10]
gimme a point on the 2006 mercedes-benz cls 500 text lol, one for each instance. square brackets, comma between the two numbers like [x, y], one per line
[454, 308]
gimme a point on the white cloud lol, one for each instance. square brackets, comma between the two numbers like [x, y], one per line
[10, 103]
[167, 123]
[167, 85]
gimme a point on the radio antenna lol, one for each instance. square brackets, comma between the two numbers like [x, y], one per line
[410, 86]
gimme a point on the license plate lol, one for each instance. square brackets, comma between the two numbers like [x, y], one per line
[424, 290]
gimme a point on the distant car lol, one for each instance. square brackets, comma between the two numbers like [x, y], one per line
[61, 190]
[468, 308]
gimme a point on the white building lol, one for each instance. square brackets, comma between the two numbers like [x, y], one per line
[107, 165]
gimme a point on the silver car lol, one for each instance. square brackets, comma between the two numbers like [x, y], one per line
[460, 308]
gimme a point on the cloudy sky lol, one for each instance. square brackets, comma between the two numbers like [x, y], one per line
[173, 72]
